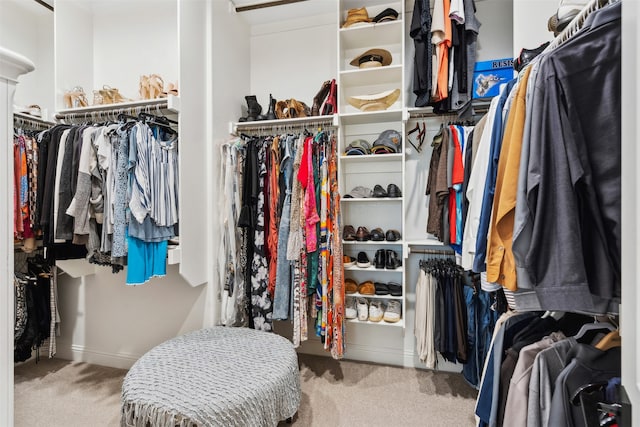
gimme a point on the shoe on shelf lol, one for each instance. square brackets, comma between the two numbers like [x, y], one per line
[75, 98]
[363, 260]
[362, 235]
[377, 235]
[111, 95]
[381, 288]
[350, 311]
[318, 100]
[380, 260]
[393, 261]
[376, 311]
[393, 235]
[348, 261]
[350, 286]
[392, 313]
[348, 233]
[367, 288]
[362, 306]
[172, 89]
[155, 85]
[271, 113]
[395, 289]
[97, 98]
[34, 110]
[379, 192]
[393, 191]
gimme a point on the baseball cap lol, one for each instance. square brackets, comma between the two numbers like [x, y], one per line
[358, 147]
[359, 192]
[388, 142]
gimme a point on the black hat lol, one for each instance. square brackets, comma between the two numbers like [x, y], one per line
[386, 15]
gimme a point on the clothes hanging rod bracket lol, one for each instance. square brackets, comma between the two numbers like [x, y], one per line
[265, 5]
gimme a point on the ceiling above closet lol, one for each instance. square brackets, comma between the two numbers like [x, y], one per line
[282, 12]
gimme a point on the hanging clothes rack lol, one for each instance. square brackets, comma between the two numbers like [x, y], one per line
[22, 119]
[444, 251]
[270, 127]
[576, 24]
[111, 111]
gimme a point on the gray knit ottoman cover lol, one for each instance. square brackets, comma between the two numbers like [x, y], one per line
[213, 377]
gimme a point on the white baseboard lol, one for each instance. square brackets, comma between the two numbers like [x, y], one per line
[374, 354]
[79, 353]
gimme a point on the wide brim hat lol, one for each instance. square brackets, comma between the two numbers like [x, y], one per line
[358, 147]
[388, 14]
[376, 102]
[356, 16]
[372, 58]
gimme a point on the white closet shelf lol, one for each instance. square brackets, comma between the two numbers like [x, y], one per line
[170, 103]
[361, 118]
[372, 200]
[369, 242]
[372, 269]
[373, 296]
[331, 120]
[425, 242]
[399, 324]
[368, 36]
[371, 76]
[372, 158]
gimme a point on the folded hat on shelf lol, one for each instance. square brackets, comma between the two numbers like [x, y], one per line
[372, 58]
[376, 102]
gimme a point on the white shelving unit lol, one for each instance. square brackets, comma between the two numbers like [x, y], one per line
[374, 169]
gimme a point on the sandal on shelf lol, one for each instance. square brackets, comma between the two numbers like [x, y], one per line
[144, 87]
[156, 87]
[34, 110]
[97, 98]
[112, 95]
[75, 98]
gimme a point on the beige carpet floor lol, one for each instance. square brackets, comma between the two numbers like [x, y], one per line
[57, 393]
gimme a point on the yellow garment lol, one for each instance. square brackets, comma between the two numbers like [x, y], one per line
[501, 266]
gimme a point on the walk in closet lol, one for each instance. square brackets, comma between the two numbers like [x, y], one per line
[217, 53]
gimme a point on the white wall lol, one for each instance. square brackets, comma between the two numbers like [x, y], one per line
[27, 28]
[496, 36]
[530, 18]
[106, 322]
[292, 59]
[148, 46]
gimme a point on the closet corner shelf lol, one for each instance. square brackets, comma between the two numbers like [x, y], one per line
[399, 324]
[141, 104]
[363, 118]
[298, 122]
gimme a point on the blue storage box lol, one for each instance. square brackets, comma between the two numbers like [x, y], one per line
[489, 75]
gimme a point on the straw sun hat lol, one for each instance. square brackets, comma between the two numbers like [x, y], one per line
[377, 102]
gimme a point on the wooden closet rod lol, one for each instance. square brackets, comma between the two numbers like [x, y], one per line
[263, 5]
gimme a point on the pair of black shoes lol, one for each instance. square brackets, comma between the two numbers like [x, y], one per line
[377, 235]
[391, 288]
[392, 191]
[386, 258]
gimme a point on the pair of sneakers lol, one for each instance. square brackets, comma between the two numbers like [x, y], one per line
[373, 311]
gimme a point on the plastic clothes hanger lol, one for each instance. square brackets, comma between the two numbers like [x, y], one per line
[589, 331]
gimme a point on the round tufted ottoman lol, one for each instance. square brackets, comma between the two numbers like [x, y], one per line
[213, 377]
